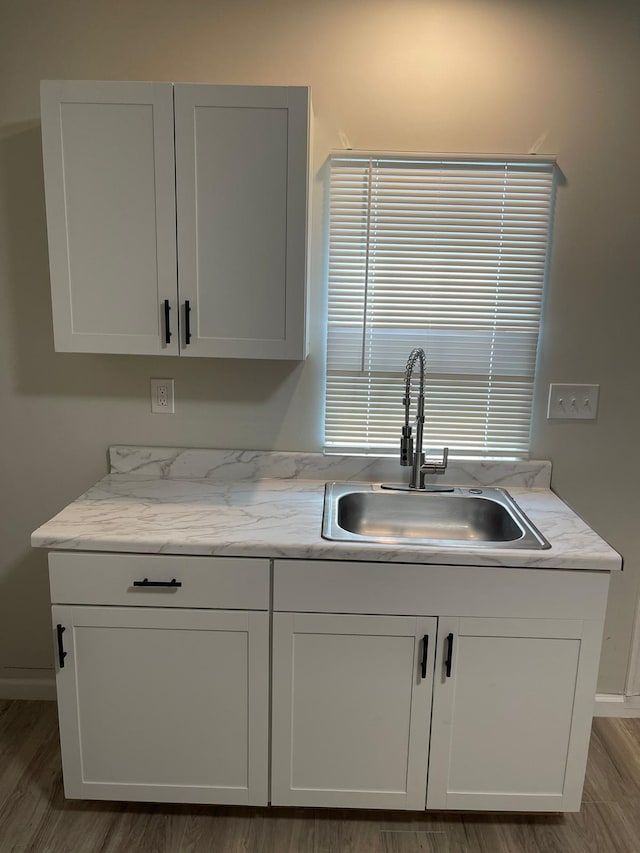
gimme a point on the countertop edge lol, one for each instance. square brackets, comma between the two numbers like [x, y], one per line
[276, 519]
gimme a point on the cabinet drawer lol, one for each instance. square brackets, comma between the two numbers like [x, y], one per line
[401, 589]
[218, 582]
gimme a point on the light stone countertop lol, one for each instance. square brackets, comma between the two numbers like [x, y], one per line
[253, 503]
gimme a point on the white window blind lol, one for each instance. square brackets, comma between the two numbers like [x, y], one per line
[447, 254]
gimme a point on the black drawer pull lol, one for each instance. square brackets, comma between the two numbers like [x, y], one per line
[449, 658]
[60, 629]
[187, 322]
[173, 583]
[423, 663]
[167, 324]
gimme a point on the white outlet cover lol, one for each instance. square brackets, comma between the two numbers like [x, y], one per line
[573, 402]
[162, 397]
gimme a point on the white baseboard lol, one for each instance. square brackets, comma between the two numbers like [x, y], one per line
[616, 705]
[43, 687]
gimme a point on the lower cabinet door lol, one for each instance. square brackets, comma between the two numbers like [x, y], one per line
[351, 709]
[167, 704]
[512, 709]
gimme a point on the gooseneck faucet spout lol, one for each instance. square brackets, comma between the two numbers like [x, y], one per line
[410, 456]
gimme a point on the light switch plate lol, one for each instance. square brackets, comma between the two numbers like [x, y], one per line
[162, 396]
[573, 402]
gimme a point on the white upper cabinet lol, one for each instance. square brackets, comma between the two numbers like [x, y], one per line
[241, 179]
[234, 160]
[109, 167]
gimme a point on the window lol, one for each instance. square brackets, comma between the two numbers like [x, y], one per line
[449, 254]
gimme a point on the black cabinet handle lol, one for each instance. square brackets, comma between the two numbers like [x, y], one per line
[423, 663]
[60, 629]
[167, 323]
[187, 322]
[173, 583]
[449, 658]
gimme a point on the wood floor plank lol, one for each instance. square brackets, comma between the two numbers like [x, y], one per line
[144, 827]
[597, 828]
[36, 818]
[209, 829]
[287, 830]
[410, 841]
[603, 781]
[448, 822]
[71, 827]
[613, 771]
[343, 831]
[499, 833]
[24, 728]
[11, 716]
[28, 801]
[197, 833]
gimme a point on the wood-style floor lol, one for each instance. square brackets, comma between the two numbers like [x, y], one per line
[35, 817]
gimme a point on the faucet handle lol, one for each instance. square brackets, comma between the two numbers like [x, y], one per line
[436, 467]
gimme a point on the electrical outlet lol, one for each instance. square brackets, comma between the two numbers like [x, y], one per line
[162, 396]
[574, 402]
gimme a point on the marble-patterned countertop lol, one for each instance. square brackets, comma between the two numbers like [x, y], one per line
[254, 503]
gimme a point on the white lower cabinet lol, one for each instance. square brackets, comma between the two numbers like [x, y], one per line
[166, 704]
[472, 690]
[512, 674]
[512, 709]
[352, 711]
[351, 705]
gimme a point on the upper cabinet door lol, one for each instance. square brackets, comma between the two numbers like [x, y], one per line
[109, 179]
[242, 160]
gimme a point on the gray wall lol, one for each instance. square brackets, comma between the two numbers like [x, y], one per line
[558, 77]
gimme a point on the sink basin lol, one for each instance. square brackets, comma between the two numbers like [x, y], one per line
[476, 518]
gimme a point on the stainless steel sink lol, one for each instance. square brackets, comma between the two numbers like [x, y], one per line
[476, 518]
